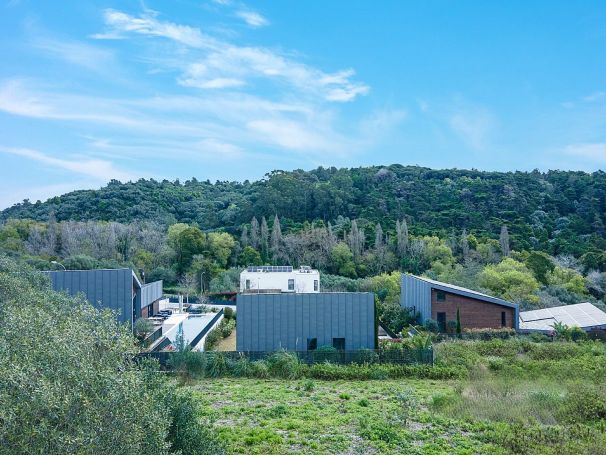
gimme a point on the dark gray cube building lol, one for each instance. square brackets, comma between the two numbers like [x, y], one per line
[117, 289]
[302, 322]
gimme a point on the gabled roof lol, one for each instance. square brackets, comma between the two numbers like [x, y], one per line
[465, 292]
[583, 315]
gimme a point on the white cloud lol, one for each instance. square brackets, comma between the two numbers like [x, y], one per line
[85, 55]
[100, 170]
[216, 64]
[252, 18]
[595, 152]
[594, 97]
[474, 126]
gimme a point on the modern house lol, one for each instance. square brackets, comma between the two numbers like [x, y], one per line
[304, 322]
[583, 315]
[439, 301]
[270, 278]
[117, 289]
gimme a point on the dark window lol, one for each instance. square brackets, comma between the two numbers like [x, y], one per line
[442, 322]
[315, 285]
[503, 319]
[247, 284]
[440, 296]
[291, 284]
[312, 344]
[338, 343]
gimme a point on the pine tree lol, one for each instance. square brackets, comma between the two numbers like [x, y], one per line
[504, 241]
[465, 245]
[378, 237]
[255, 237]
[276, 241]
[402, 238]
[264, 238]
[244, 237]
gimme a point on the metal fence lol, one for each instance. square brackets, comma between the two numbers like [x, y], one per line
[363, 356]
[399, 356]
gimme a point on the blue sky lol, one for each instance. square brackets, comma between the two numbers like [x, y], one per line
[227, 90]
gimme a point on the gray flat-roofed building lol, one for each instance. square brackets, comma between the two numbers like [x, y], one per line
[301, 322]
[117, 289]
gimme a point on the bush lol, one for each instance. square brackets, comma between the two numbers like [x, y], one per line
[228, 313]
[488, 334]
[431, 326]
[186, 435]
[216, 364]
[284, 365]
[188, 364]
[142, 327]
[584, 402]
[64, 368]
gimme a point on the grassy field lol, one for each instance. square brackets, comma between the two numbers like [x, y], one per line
[304, 416]
[517, 397]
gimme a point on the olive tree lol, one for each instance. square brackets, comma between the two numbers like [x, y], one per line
[68, 382]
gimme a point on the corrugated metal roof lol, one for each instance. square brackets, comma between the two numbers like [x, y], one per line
[583, 315]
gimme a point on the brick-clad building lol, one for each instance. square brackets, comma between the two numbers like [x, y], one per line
[440, 301]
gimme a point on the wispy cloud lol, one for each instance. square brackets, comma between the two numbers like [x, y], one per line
[594, 152]
[218, 64]
[252, 18]
[100, 170]
[77, 53]
[474, 126]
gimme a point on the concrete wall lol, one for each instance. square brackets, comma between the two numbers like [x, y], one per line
[278, 281]
[109, 288]
[475, 314]
[269, 322]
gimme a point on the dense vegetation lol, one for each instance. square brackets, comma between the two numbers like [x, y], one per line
[507, 396]
[556, 212]
[68, 382]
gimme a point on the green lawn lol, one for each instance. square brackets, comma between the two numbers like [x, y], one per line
[341, 417]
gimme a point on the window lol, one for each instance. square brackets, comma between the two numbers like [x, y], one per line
[442, 322]
[503, 319]
[338, 344]
[316, 285]
[291, 284]
[440, 296]
[312, 344]
[247, 284]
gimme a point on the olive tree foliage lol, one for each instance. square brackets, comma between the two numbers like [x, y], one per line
[68, 383]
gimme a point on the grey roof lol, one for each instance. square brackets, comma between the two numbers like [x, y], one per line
[583, 315]
[466, 292]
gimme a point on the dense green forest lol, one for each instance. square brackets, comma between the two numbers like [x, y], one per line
[556, 212]
[534, 238]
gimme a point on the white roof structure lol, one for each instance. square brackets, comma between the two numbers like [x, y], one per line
[583, 315]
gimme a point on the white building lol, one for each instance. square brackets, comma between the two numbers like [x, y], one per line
[269, 278]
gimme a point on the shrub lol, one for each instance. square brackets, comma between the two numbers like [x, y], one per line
[228, 313]
[367, 356]
[142, 327]
[431, 325]
[308, 385]
[584, 402]
[188, 364]
[216, 365]
[282, 364]
[186, 435]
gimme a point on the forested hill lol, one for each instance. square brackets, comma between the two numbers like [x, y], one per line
[556, 211]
